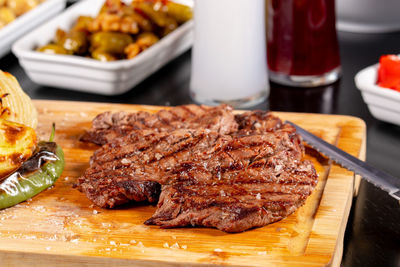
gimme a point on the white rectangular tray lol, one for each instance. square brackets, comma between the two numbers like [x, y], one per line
[89, 75]
[26, 22]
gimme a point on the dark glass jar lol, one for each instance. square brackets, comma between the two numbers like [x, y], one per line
[302, 46]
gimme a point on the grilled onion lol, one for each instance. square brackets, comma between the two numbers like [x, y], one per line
[17, 143]
[15, 105]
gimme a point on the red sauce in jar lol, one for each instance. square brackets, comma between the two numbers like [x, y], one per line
[302, 37]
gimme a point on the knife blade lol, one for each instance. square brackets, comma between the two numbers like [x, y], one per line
[377, 177]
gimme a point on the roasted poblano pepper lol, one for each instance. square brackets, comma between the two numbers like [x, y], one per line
[35, 175]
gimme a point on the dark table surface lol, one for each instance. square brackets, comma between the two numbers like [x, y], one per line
[372, 236]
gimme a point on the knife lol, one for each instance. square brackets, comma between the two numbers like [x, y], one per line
[377, 177]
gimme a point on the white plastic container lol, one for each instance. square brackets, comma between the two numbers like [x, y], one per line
[25, 23]
[90, 75]
[229, 53]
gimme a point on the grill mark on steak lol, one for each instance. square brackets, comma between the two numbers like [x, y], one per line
[189, 111]
[135, 143]
[228, 214]
[248, 178]
[108, 126]
[270, 172]
[202, 148]
[150, 166]
[152, 153]
[230, 205]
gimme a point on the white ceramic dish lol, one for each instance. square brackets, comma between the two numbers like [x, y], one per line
[383, 103]
[26, 22]
[368, 16]
[89, 75]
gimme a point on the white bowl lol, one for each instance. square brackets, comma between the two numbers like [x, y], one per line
[383, 103]
[90, 75]
[368, 16]
[26, 22]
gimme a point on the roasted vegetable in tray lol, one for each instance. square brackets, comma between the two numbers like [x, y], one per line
[120, 30]
[11, 9]
[26, 166]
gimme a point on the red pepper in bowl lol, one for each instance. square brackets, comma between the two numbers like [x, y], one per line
[389, 72]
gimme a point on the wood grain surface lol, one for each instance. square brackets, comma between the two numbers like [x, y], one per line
[61, 227]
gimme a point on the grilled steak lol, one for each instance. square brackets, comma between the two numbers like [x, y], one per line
[256, 195]
[131, 168]
[248, 182]
[257, 122]
[248, 178]
[108, 126]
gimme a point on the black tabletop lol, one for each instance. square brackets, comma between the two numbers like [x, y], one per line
[372, 236]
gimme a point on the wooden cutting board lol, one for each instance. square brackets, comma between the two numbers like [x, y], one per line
[61, 227]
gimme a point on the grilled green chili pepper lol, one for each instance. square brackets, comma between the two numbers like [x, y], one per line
[35, 175]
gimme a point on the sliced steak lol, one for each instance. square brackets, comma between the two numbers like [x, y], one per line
[237, 196]
[128, 168]
[236, 204]
[108, 126]
[248, 178]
